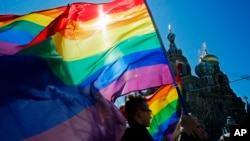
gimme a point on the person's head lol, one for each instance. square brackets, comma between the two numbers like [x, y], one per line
[137, 109]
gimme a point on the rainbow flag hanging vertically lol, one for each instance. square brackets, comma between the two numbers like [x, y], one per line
[166, 111]
[57, 64]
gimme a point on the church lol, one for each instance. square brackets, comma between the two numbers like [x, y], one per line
[208, 95]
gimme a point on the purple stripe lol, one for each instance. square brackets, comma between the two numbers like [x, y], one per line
[139, 79]
[100, 122]
[9, 48]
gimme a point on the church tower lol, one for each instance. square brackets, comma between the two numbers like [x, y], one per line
[208, 95]
[209, 71]
[175, 56]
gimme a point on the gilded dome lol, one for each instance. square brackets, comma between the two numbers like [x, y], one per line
[209, 58]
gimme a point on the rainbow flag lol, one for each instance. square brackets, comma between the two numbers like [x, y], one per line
[60, 68]
[166, 111]
[24, 28]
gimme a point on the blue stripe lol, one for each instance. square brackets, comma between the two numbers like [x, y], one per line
[33, 99]
[166, 128]
[20, 32]
[111, 72]
[16, 37]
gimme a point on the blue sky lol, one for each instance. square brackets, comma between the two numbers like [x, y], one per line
[224, 26]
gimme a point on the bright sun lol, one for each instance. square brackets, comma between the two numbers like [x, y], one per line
[103, 19]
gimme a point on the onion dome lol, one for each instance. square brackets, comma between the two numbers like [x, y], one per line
[204, 68]
[209, 58]
[173, 50]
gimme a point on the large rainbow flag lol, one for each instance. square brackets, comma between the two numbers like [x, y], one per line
[166, 111]
[59, 67]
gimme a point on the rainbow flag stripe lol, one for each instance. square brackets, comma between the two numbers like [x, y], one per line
[166, 112]
[121, 39]
[23, 28]
[60, 66]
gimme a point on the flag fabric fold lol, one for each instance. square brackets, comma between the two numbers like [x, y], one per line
[61, 67]
[166, 110]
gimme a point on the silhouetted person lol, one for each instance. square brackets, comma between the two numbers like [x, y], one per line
[138, 116]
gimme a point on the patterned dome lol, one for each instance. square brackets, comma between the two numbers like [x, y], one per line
[210, 58]
[204, 68]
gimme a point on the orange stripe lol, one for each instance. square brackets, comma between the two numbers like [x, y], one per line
[162, 92]
[53, 13]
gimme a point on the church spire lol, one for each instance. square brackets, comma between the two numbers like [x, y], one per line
[171, 38]
[204, 46]
[169, 28]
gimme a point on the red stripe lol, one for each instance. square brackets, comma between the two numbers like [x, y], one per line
[5, 18]
[84, 12]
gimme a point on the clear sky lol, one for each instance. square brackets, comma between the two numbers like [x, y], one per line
[223, 24]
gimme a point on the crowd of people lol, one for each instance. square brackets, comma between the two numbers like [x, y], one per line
[138, 115]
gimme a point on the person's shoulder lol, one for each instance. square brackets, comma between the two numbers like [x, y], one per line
[186, 137]
[134, 130]
[136, 134]
[129, 134]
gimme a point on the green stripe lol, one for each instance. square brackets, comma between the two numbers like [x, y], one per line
[163, 115]
[24, 26]
[74, 72]
[167, 111]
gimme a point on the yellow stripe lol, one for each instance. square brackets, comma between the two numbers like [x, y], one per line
[162, 102]
[87, 40]
[35, 18]
[99, 42]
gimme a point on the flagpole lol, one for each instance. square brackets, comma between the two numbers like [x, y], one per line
[149, 8]
[182, 100]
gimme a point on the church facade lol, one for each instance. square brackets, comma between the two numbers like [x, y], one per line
[208, 95]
